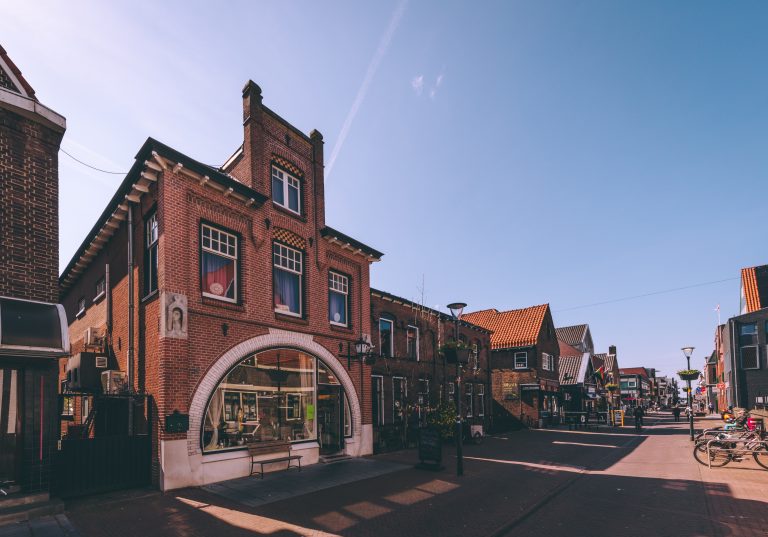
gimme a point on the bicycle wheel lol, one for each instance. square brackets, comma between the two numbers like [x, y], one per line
[718, 455]
[761, 456]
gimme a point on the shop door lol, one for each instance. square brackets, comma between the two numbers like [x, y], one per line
[330, 418]
[10, 426]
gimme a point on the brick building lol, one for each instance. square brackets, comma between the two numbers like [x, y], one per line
[235, 306]
[32, 326]
[524, 363]
[410, 375]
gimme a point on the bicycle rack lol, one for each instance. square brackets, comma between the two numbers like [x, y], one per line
[735, 441]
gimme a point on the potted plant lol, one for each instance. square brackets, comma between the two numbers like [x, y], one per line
[611, 387]
[689, 374]
[455, 352]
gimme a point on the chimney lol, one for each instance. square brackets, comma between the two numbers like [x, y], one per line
[253, 136]
[612, 350]
[318, 173]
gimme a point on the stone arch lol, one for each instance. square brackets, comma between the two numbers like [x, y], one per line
[275, 338]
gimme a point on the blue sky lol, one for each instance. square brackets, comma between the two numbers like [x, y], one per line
[506, 153]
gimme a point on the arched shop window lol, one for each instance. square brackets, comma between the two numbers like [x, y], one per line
[268, 396]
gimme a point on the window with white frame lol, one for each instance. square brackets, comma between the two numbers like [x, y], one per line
[386, 329]
[151, 237]
[547, 362]
[286, 190]
[287, 276]
[399, 398]
[101, 288]
[423, 391]
[80, 306]
[218, 263]
[377, 399]
[631, 384]
[750, 358]
[521, 360]
[451, 388]
[338, 299]
[480, 399]
[469, 395]
[412, 342]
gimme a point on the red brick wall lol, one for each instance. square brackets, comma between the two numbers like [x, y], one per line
[433, 331]
[171, 369]
[29, 203]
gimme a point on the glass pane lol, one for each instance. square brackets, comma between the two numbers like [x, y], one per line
[293, 198]
[337, 307]
[287, 291]
[268, 396]
[277, 189]
[218, 275]
[385, 336]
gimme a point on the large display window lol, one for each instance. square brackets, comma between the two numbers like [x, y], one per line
[268, 396]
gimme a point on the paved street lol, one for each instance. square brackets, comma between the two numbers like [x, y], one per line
[548, 482]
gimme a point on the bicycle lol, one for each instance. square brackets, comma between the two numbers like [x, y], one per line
[721, 451]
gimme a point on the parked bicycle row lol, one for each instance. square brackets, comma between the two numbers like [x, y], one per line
[741, 437]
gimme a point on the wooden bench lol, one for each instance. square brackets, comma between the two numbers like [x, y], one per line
[256, 449]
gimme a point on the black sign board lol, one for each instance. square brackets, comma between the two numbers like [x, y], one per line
[530, 387]
[430, 445]
[177, 423]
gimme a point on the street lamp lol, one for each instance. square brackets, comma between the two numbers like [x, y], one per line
[457, 308]
[688, 351]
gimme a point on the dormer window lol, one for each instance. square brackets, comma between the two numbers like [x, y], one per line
[286, 190]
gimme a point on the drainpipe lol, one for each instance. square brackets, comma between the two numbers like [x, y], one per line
[108, 298]
[733, 364]
[129, 361]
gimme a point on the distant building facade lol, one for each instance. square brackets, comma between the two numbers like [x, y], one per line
[524, 363]
[411, 378]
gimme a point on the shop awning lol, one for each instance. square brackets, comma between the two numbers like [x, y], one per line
[32, 329]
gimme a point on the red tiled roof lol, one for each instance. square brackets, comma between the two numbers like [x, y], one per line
[754, 282]
[567, 350]
[513, 328]
[633, 371]
[12, 66]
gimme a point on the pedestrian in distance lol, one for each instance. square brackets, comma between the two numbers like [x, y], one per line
[711, 408]
[676, 412]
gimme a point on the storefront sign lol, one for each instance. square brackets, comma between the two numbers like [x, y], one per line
[530, 387]
[509, 390]
[430, 445]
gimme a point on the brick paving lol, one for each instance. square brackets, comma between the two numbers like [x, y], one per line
[528, 483]
[47, 526]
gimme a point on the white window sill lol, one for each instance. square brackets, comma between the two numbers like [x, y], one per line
[289, 313]
[80, 313]
[99, 297]
[220, 298]
[340, 325]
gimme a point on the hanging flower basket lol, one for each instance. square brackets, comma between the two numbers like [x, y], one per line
[611, 387]
[455, 353]
[689, 374]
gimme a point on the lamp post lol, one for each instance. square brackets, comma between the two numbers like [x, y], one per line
[456, 310]
[688, 351]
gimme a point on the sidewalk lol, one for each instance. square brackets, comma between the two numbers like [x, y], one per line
[528, 483]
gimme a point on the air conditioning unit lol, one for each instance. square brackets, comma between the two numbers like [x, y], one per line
[93, 336]
[113, 382]
[83, 373]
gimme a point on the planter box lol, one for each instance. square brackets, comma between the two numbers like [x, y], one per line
[453, 356]
[689, 376]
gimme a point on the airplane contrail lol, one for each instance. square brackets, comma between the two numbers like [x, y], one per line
[369, 74]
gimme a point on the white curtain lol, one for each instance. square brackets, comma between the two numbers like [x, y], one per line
[214, 416]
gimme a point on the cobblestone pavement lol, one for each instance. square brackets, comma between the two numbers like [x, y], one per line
[527, 483]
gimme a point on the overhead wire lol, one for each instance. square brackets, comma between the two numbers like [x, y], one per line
[633, 297]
